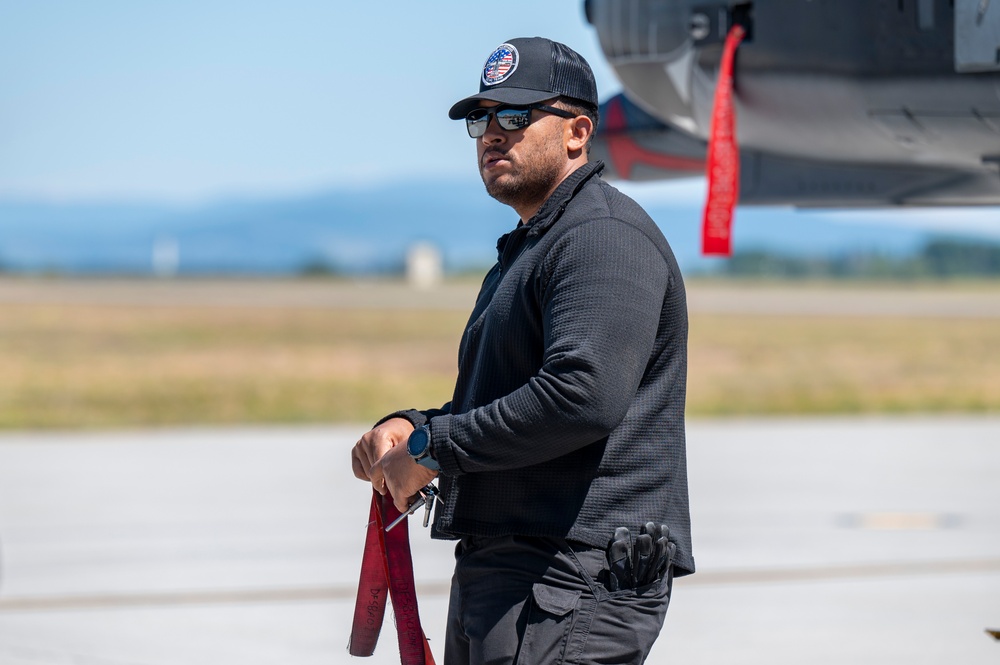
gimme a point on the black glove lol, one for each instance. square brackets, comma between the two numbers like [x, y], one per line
[636, 564]
[665, 549]
[643, 551]
[620, 559]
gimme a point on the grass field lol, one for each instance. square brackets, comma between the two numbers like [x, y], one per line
[79, 363]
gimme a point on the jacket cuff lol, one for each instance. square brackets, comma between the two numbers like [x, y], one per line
[416, 418]
[441, 449]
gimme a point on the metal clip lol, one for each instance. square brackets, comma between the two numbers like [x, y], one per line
[427, 496]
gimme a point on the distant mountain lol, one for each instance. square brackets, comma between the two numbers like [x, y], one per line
[350, 230]
[363, 230]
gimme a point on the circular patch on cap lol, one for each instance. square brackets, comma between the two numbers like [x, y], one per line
[500, 65]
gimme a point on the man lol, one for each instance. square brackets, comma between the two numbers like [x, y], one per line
[566, 426]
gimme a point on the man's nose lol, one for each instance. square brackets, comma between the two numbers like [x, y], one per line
[493, 133]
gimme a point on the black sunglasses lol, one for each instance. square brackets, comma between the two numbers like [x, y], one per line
[509, 118]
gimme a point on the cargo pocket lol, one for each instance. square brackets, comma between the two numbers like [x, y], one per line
[551, 616]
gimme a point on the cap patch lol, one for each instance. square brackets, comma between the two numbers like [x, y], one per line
[500, 65]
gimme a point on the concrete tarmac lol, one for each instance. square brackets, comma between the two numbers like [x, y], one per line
[834, 540]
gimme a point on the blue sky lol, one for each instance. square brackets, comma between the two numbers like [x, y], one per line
[191, 101]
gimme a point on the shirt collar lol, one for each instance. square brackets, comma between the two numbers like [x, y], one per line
[554, 206]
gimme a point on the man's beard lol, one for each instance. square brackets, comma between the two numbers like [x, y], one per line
[528, 185]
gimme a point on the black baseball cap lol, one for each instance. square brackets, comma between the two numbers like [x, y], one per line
[528, 70]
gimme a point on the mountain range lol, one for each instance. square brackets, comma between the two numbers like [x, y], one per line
[366, 230]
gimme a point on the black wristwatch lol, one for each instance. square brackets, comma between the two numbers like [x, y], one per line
[419, 448]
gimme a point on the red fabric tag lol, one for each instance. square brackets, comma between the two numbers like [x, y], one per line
[369, 607]
[723, 157]
[387, 569]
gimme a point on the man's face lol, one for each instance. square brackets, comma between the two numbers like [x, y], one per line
[521, 167]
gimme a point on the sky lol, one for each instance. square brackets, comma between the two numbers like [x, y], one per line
[189, 101]
[197, 101]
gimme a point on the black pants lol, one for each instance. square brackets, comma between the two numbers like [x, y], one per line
[535, 601]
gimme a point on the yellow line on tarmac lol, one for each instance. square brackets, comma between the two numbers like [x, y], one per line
[337, 593]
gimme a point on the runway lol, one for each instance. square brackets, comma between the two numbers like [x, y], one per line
[873, 540]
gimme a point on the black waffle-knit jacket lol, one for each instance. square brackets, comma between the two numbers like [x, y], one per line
[567, 418]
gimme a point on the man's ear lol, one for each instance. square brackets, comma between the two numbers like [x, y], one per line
[578, 132]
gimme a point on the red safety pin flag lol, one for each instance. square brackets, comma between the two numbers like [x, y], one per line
[387, 570]
[723, 168]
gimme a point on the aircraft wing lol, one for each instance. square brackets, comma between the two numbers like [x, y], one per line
[838, 103]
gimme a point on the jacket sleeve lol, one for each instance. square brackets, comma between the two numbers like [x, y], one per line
[416, 418]
[601, 290]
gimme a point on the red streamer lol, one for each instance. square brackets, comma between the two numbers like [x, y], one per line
[723, 157]
[387, 569]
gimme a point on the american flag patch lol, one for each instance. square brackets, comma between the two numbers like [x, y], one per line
[500, 65]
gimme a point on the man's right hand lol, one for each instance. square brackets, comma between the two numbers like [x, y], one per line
[375, 443]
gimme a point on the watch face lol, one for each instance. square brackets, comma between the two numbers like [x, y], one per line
[416, 445]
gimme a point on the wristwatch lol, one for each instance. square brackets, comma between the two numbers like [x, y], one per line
[419, 448]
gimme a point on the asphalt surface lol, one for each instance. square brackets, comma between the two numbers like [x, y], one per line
[817, 540]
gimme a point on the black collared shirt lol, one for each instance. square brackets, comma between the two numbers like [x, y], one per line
[567, 418]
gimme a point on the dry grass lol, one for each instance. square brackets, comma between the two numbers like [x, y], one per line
[791, 365]
[84, 366]
[108, 366]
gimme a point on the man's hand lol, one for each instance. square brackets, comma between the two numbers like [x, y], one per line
[401, 476]
[374, 444]
[381, 458]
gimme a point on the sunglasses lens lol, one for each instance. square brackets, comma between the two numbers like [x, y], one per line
[510, 119]
[476, 122]
[514, 119]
